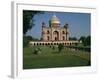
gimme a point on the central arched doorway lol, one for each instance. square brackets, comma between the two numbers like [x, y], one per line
[56, 35]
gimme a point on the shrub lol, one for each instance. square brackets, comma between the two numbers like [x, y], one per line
[60, 47]
[35, 51]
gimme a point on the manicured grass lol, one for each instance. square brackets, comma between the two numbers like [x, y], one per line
[51, 58]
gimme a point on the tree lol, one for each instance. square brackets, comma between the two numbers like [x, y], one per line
[72, 38]
[26, 40]
[35, 39]
[28, 21]
[86, 41]
[60, 47]
[82, 38]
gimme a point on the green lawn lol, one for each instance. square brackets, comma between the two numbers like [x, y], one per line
[50, 58]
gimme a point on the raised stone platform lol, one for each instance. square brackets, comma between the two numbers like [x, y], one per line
[54, 42]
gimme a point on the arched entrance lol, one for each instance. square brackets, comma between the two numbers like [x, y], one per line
[56, 35]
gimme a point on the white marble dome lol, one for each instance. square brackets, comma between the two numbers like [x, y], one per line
[54, 20]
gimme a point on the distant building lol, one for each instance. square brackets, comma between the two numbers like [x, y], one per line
[55, 32]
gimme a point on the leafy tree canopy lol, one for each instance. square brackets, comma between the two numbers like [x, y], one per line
[86, 41]
[28, 21]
